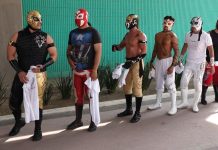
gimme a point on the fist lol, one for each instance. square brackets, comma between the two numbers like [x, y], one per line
[114, 47]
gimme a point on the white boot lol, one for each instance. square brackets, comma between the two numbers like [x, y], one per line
[184, 102]
[173, 109]
[158, 102]
[196, 101]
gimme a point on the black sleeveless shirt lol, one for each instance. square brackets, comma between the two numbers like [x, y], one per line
[31, 48]
[214, 37]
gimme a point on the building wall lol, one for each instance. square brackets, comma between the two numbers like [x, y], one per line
[108, 16]
[10, 22]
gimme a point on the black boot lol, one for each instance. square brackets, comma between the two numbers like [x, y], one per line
[19, 123]
[203, 95]
[216, 93]
[77, 122]
[92, 127]
[137, 114]
[38, 132]
[128, 110]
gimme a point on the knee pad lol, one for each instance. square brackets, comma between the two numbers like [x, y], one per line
[171, 87]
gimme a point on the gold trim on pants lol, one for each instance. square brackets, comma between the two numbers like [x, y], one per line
[41, 82]
[133, 81]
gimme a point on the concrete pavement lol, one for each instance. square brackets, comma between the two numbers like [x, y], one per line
[155, 131]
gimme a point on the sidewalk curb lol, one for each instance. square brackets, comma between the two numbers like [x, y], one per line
[104, 106]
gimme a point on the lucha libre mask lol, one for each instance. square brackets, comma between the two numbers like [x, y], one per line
[168, 23]
[34, 19]
[196, 22]
[81, 17]
[132, 21]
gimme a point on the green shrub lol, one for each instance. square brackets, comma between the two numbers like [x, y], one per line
[101, 76]
[110, 83]
[3, 90]
[64, 85]
[146, 82]
[47, 94]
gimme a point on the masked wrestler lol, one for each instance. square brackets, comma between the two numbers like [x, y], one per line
[208, 76]
[83, 54]
[135, 44]
[29, 47]
[165, 41]
[196, 43]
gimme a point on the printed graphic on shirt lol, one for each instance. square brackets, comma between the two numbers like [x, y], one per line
[40, 40]
[81, 47]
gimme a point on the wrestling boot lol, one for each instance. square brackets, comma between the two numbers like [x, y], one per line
[158, 102]
[203, 95]
[136, 117]
[173, 108]
[19, 123]
[38, 132]
[77, 122]
[184, 101]
[216, 93]
[196, 101]
[92, 127]
[128, 110]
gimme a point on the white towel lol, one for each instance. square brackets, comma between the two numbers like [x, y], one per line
[151, 73]
[117, 71]
[179, 68]
[93, 94]
[30, 97]
[122, 78]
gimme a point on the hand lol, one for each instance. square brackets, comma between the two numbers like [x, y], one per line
[73, 65]
[114, 47]
[179, 63]
[212, 69]
[170, 70]
[22, 77]
[94, 75]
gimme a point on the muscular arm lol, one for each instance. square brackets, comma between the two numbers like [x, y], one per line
[184, 49]
[176, 50]
[120, 46]
[52, 50]
[154, 53]
[11, 57]
[98, 51]
[142, 43]
[11, 50]
[70, 61]
[211, 51]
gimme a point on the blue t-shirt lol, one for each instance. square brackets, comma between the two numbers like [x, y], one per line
[82, 42]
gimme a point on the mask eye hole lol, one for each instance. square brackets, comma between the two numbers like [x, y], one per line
[79, 16]
[194, 23]
[36, 19]
[167, 23]
[128, 20]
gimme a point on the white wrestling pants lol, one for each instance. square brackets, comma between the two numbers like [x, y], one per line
[161, 76]
[196, 69]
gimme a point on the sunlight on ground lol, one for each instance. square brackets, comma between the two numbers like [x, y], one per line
[86, 127]
[18, 138]
[213, 118]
